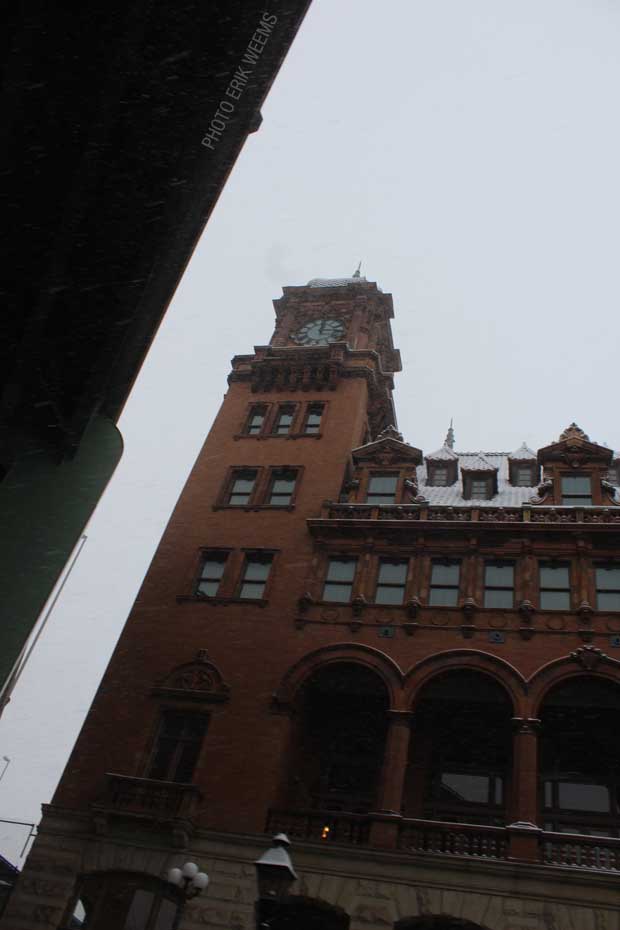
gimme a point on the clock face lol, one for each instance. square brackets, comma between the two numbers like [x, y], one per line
[319, 332]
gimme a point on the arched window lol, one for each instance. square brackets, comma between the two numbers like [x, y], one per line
[342, 725]
[122, 901]
[580, 757]
[460, 755]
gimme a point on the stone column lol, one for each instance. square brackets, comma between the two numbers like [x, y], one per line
[390, 795]
[524, 832]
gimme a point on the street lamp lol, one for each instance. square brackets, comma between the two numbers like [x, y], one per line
[275, 875]
[191, 882]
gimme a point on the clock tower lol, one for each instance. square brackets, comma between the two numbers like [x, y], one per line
[328, 330]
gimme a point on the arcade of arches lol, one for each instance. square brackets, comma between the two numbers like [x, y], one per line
[461, 754]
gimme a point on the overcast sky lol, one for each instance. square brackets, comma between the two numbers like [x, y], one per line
[467, 152]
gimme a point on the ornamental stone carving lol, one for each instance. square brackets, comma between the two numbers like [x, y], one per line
[199, 680]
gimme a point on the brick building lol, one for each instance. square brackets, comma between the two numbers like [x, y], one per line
[410, 663]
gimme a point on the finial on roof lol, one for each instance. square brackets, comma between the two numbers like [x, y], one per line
[450, 437]
[390, 432]
[574, 432]
[358, 271]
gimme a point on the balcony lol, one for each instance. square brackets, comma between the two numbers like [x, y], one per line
[156, 802]
[454, 840]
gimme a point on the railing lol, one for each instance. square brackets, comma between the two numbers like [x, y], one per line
[436, 837]
[453, 839]
[146, 797]
[579, 851]
[490, 514]
[327, 826]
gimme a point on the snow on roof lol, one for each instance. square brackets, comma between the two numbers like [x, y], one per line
[523, 454]
[445, 454]
[507, 495]
[477, 462]
[336, 282]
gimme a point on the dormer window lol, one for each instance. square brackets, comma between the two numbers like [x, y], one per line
[440, 476]
[479, 478]
[523, 477]
[576, 490]
[382, 489]
[442, 468]
[523, 467]
[480, 488]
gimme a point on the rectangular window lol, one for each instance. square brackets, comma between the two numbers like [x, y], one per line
[339, 580]
[241, 487]
[211, 573]
[480, 489]
[313, 419]
[445, 578]
[255, 574]
[282, 487]
[382, 489]
[608, 587]
[255, 420]
[577, 490]
[523, 476]
[554, 586]
[499, 584]
[284, 420]
[391, 581]
[440, 476]
[177, 746]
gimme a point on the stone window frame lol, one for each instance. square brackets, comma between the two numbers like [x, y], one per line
[545, 561]
[246, 554]
[205, 554]
[445, 560]
[337, 556]
[376, 575]
[175, 707]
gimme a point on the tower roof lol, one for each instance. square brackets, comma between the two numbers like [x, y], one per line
[336, 282]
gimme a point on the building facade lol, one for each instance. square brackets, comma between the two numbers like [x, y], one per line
[409, 663]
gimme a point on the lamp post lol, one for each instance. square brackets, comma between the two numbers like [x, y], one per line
[191, 882]
[275, 875]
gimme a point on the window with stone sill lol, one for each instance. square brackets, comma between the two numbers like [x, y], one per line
[445, 581]
[391, 581]
[177, 746]
[241, 487]
[255, 575]
[576, 490]
[554, 585]
[283, 423]
[607, 586]
[211, 573]
[256, 420]
[499, 584]
[382, 489]
[314, 416]
[281, 491]
[339, 579]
